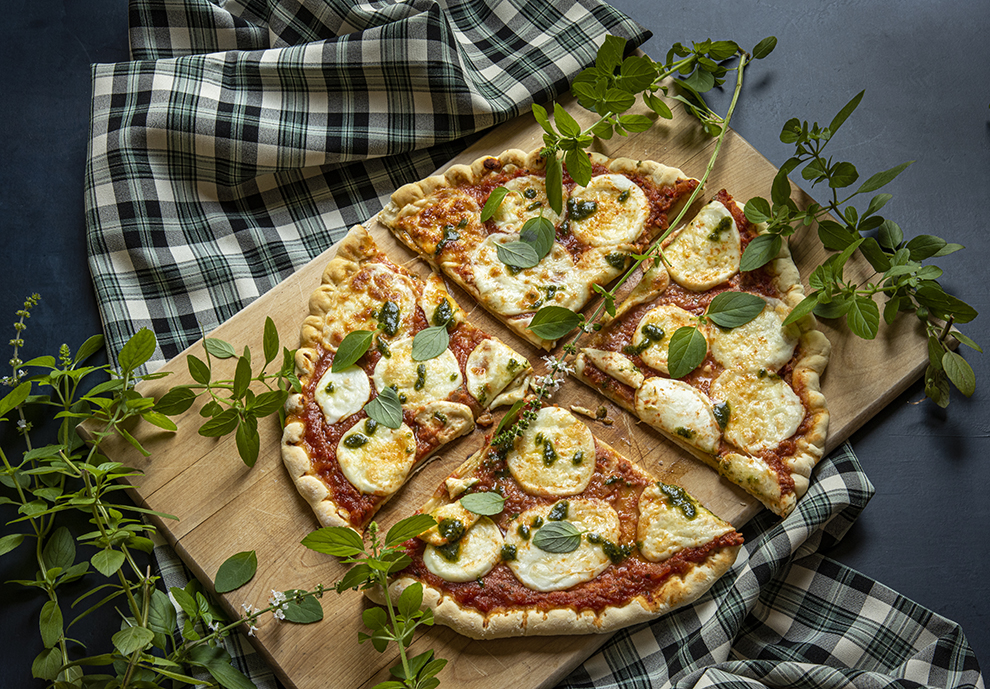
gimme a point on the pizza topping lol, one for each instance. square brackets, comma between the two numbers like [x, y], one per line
[676, 407]
[533, 459]
[707, 251]
[358, 304]
[596, 217]
[342, 394]
[418, 382]
[379, 464]
[763, 343]
[765, 410]
[469, 557]
[665, 319]
[670, 521]
[526, 199]
[491, 367]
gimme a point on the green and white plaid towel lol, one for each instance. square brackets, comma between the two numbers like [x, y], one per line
[246, 136]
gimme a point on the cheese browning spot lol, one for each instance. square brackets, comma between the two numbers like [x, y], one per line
[377, 464]
[534, 458]
[597, 216]
[470, 557]
[765, 410]
[706, 252]
[653, 328]
[418, 382]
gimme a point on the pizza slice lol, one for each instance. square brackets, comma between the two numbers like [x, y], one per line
[548, 530]
[622, 209]
[418, 377]
[753, 408]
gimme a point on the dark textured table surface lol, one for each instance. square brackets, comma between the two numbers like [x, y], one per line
[926, 70]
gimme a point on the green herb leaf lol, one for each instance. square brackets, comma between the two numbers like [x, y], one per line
[966, 341]
[176, 401]
[579, 166]
[219, 348]
[430, 343]
[137, 350]
[557, 537]
[757, 210]
[108, 561]
[553, 322]
[686, 351]
[944, 305]
[538, 232]
[924, 246]
[881, 178]
[386, 408]
[10, 541]
[270, 342]
[198, 369]
[351, 348]
[221, 424]
[844, 114]
[870, 248]
[806, 306]
[305, 611]
[339, 541]
[486, 504]
[510, 417]
[60, 549]
[842, 175]
[960, 373]
[554, 183]
[764, 47]
[50, 623]
[242, 378]
[236, 571]
[132, 639]
[517, 254]
[88, 348]
[495, 199]
[543, 118]
[410, 527]
[47, 664]
[760, 251]
[863, 317]
[14, 398]
[733, 309]
[566, 124]
[410, 600]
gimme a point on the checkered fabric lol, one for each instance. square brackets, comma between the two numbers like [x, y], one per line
[245, 137]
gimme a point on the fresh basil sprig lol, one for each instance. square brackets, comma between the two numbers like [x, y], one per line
[557, 537]
[385, 408]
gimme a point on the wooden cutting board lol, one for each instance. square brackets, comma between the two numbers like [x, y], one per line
[225, 507]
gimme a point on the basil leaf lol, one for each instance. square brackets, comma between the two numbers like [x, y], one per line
[806, 306]
[686, 351]
[385, 408]
[270, 341]
[510, 417]
[176, 401]
[306, 611]
[494, 201]
[881, 178]
[944, 305]
[960, 373]
[764, 47]
[219, 348]
[430, 343]
[557, 537]
[554, 183]
[863, 317]
[757, 210]
[539, 233]
[340, 541]
[553, 322]
[924, 246]
[966, 341]
[487, 504]
[833, 309]
[517, 254]
[138, 350]
[842, 175]
[846, 111]
[733, 309]
[760, 251]
[236, 571]
[351, 349]
[579, 166]
[407, 528]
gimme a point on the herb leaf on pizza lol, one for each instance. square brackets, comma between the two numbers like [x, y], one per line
[490, 228]
[700, 352]
[554, 532]
[382, 387]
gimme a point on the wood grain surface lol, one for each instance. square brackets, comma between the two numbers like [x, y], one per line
[225, 507]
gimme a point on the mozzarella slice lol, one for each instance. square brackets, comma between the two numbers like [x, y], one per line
[543, 571]
[419, 381]
[511, 292]
[342, 394]
[763, 343]
[555, 455]
[610, 211]
[668, 318]
[706, 252]
[679, 410]
[491, 366]
[670, 520]
[377, 462]
[356, 305]
[763, 410]
[616, 365]
[450, 517]
[471, 557]
[526, 199]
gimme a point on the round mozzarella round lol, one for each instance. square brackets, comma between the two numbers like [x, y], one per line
[491, 366]
[679, 410]
[357, 305]
[706, 252]
[543, 571]
[666, 318]
[555, 455]
[763, 343]
[527, 198]
[377, 459]
[670, 521]
[342, 394]
[478, 550]
[610, 211]
[763, 409]
[419, 381]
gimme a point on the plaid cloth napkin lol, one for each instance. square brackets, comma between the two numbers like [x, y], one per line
[245, 137]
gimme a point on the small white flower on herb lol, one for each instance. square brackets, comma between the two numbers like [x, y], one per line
[248, 608]
[252, 630]
[21, 423]
[279, 614]
[277, 598]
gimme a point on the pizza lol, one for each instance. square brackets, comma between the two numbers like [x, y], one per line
[623, 208]
[753, 409]
[345, 462]
[574, 537]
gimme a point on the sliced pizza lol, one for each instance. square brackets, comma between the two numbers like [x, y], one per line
[390, 371]
[548, 530]
[753, 409]
[624, 206]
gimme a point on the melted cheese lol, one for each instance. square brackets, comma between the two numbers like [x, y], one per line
[477, 552]
[665, 529]
[706, 252]
[491, 366]
[679, 410]
[543, 571]
[668, 318]
[763, 410]
[342, 394]
[380, 463]
[452, 510]
[613, 222]
[763, 343]
[555, 455]
[452, 215]
[526, 199]
[353, 306]
[441, 374]
[511, 293]
[616, 365]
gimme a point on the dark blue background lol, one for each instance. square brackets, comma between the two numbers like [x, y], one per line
[926, 70]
